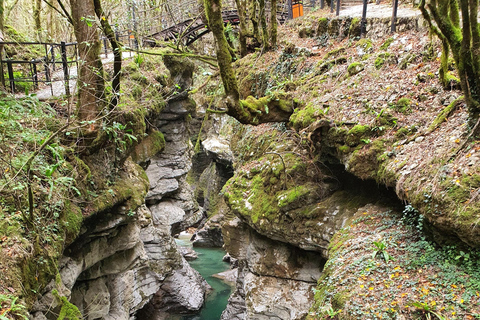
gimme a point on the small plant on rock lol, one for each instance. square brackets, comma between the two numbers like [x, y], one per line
[381, 248]
[329, 312]
[427, 310]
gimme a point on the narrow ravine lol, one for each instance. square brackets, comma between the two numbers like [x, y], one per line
[208, 263]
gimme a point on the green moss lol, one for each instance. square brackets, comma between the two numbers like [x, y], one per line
[366, 57]
[356, 134]
[386, 44]
[379, 62]
[451, 81]
[403, 105]
[344, 149]
[355, 28]
[72, 221]
[365, 44]
[365, 162]
[68, 310]
[129, 189]
[385, 118]
[290, 196]
[407, 60]
[354, 68]
[402, 133]
[302, 118]
[334, 53]
[149, 146]
[322, 26]
[339, 299]
[442, 116]
[324, 66]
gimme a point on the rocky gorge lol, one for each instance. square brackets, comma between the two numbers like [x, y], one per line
[362, 206]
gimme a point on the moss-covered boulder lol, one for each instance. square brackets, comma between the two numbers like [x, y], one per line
[282, 194]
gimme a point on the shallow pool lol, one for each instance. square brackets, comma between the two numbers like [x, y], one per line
[209, 262]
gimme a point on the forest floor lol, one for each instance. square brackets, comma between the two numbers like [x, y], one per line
[417, 135]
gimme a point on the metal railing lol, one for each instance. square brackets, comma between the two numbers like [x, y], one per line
[55, 54]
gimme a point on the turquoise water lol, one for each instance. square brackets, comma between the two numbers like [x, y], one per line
[210, 262]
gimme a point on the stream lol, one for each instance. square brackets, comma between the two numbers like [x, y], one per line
[208, 263]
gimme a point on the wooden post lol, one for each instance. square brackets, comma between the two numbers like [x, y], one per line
[331, 5]
[34, 71]
[10, 75]
[322, 4]
[363, 24]
[338, 8]
[394, 16]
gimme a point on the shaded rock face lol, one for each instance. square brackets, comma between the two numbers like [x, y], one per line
[116, 266]
[212, 167]
[170, 196]
[209, 237]
[275, 280]
[125, 263]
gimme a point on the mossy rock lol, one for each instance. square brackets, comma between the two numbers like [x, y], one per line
[355, 68]
[334, 53]
[306, 32]
[405, 61]
[379, 62]
[403, 105]
[148, 147]
[355, 29]
[451, 82]
[322, 27]
[356, 134]
[385, 118]
[366, 44]
[386, 44]
[333, 28]
[302, 118]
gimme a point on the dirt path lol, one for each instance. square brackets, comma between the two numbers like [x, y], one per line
[57, 88]
[379, 11]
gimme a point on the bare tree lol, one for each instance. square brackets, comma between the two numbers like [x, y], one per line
[462, 37]
[251, 110]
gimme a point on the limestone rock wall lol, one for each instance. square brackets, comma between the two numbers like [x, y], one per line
[125, 264]
[275, 279]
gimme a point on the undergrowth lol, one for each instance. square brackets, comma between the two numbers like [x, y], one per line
[418, 280]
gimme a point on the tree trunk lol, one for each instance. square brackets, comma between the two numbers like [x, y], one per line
[249, 111]
[37, 6]
[273, 24]
[463, 42]
[2, 77]
[241, 9]
[117, 52]
[90, 80]
[254, 18]
[263, 24]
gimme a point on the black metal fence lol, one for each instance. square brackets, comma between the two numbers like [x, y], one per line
[53, 65]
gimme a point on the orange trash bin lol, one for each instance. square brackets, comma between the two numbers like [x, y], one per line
[297, 8]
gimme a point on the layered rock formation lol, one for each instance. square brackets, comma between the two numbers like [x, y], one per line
[275, 279]
[125, 262]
